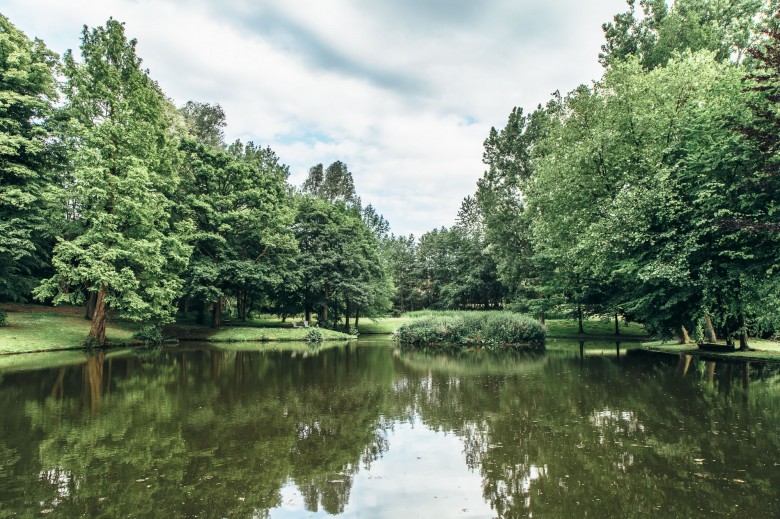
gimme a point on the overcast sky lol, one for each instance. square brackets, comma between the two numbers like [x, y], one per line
[403, 91]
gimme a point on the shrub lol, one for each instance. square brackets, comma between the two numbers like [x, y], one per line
[314, 336]
[150, 334]
[491, 328]
[3, 318]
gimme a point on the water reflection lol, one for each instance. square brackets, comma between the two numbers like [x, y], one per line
[588, 428]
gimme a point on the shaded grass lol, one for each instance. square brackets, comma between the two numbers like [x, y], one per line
[194, 332]
[555, 327]
[762, 350]
[33, 328]
[597, 327]
[382, 325]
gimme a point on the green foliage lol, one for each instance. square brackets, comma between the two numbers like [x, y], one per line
[3, 318]
[314, 335]
[334, 184]
[490, 328]
[244, 247]
[723, 27]
[123, 156]
[150, 335]
[27, 91]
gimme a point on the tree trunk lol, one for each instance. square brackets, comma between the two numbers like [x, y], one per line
[709, 330]
[325, 308]
[347, 316]
[684, 337]
[216, 320]
[357, 317]
[201, 317]
[308, 313]
[579, 318]
[541, 318]
[97, 332]
[89, 306]
[241, 303]
[617, 327]
[743, 335]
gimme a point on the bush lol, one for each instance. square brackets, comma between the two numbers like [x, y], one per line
[150, 334]
[314, 336]
[489, 328]
[3, 318]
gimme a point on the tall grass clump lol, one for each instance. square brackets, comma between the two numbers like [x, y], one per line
[476, 328]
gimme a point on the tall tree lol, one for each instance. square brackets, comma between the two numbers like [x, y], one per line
[205, 122]
[724, 27]
[122, 245]
[27, 90]
[241, 206]
[334, 184]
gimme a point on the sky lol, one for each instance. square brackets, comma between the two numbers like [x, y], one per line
[402, 91]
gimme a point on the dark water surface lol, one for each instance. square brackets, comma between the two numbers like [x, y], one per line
[368, 430]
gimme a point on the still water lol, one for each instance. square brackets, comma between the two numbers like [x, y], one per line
[369, 430]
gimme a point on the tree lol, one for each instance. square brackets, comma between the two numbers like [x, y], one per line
[205, 122]
[244, 245]
[123, 154]
[27, 89]
[339, 260]
[501, 199]
[724, 27]
[334, 184]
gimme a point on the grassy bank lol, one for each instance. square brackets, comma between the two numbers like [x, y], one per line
[247, 332]
[33, 328]
[565, 328]
[761, 350]
[559, 328]
[382, 325]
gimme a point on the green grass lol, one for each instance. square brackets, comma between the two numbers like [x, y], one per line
[382, 325]
[596, 327]
[33, 328]
[763, 350]
[555, 327]
[245, 333]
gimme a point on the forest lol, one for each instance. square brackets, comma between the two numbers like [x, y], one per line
[648, 195]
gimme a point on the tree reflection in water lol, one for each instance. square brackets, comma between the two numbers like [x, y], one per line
[189, 432]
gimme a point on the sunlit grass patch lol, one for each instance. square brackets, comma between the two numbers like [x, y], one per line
[34, 328]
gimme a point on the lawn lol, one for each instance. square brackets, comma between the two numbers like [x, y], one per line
[34, 328]
[555, 327]
[382, 325]
[593, 326]
[761, 350]
[246, 332]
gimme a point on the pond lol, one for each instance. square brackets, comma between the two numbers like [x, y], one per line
[369, 430]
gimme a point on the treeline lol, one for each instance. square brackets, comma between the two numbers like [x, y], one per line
[113, 198]
[652, 194]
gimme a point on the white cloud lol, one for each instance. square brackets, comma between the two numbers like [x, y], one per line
[403, 92]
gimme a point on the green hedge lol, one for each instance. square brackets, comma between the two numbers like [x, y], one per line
[486, 328]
